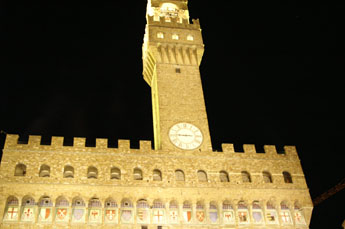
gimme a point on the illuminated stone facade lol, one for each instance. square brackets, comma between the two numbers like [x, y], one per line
[181, 183]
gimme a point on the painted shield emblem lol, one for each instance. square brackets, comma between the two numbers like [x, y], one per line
[142, 215]
[213, 217]
[257, 217]
[286, 217]
[28, 214]
[299, 218]
[200, 215]
[126, 215]
[61, 213]
[45, 213]
[271, 217]
[78, 214]
[158, 216]
[110, 214]
[173, 216]
[94, 215]
[243, 217]
[228, 217]
[187, 215]
[12, 213]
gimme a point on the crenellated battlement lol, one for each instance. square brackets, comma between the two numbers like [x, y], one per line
[79, 144]
[268, 149]
[173, 22]
[34, 142]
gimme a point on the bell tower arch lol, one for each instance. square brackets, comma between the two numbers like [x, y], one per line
[172, 52]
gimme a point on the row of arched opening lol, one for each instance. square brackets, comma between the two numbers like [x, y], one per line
[172, 211]
[157, 203]
[115, 173]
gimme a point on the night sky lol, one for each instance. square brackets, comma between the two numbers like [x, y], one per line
[271, 74]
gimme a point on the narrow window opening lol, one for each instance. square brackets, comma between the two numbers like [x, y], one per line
[20, 170]
[287, 177]
[178, 70]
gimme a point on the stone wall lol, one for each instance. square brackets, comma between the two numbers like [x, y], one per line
[57, 156]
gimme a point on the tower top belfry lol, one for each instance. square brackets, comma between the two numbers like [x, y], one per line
[168, 9]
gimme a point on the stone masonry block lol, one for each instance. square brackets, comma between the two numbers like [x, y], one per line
[228, 148]
[79, 142]
[34, 140]
[124, 145]
[270, 149]
[145, 145]
[11, 140]
[249, 148]
[57, 141]
[290, 150]
[101, 143]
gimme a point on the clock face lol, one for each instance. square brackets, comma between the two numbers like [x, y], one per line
[185, 136]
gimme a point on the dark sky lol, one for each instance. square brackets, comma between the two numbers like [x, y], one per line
[271, 75]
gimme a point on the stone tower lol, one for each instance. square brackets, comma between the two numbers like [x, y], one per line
[172, 53]
[181, 183]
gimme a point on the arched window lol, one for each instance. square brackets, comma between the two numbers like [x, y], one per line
[243, 214]
[28, 209]
[127, 214]
[257, 213]
[190, 38]
[175, 36]
[78, 210]
[267, 177]
[179, 175]
[68, 172]
[246, 177]
[78, 202]
[45, 209]
[92, 173]
[12, 209]
[187, 211]
[137, 174]
[213, 211]
[143, 211]
[157, 175]
[20, 170]
[95, 210]
[111, 211]
[223, 176]
[160, 35]
[200, 212]
[115, 173]
[110, 203]
[158, 212]
[44, 171]
[62, 209]
[228, 213]
[173, 212]
[61, 202]
[271, 213]
[45, 201]
[202, 177]
[287, 177]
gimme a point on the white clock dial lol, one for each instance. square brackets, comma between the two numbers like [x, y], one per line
[185, 136]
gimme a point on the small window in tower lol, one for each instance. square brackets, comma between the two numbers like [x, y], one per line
[160, 35]
[178, 70]
[190, 38]
[175, 37]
